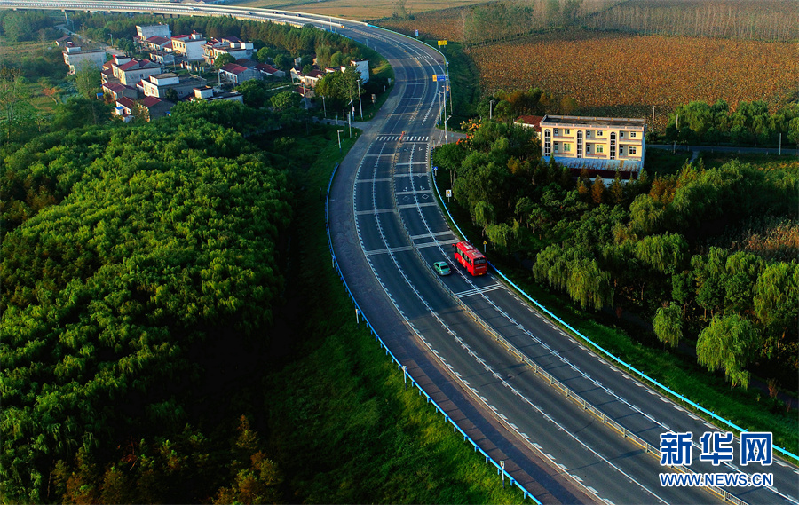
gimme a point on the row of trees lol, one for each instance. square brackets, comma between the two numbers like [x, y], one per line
[141, 262]
[750, 123]
[640, 246]
[509, 19]
[771, 20]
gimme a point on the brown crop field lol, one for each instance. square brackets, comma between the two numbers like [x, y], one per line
[624, 75]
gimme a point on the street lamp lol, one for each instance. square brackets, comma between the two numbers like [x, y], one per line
[338, 134]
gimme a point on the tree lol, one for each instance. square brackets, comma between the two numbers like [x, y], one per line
[87, 80]
[265, 54]
[668, 324]
[598, 190]
[283, 62]
[253, 92]
[223, 59]
[729, 342]
[285, 100]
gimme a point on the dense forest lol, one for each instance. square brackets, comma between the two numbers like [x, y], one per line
[129, 256]
[643, 246]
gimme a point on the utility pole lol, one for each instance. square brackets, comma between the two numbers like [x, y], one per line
[324, 106]
[338, 134]
[360, 104]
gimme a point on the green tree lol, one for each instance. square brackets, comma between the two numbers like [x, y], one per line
[729, 342]
[283, 62]
[223, 59]
[668, 324]
[87, 80]
[286, 100]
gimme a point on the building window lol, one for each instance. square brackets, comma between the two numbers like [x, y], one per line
[555, 131]
[632, 135]
[556, 147]
[599, 133]
[566, 132]
[621, 135]
[621, 150]
[600, 149]
[588, 149]
[631, 151]
[567, 147]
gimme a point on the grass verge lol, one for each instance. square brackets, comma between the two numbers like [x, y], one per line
[341, 425]
[750, 409]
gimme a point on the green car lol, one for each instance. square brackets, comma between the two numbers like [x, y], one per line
[442, 268]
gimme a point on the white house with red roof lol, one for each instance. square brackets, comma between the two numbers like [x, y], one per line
[134, 71]
[157, 42]
[238, 74]
[269, 70]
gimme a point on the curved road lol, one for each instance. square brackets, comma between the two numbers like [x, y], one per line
[471, 342]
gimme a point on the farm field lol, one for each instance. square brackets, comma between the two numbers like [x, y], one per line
[626, 75]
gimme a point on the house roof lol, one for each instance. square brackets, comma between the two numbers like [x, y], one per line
[315, 73]
[168, 45]
[134, 64]
[150, 101]
[601, 122]
[114, 86]
[535, 121]
[157, 39]
[232, 38]
[107, 71]
[246, 62]
[269, 69]
[126, 102]
[62, 39]
[234, 69]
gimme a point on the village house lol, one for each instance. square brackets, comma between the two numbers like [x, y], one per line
[159, 30]
[118, 90]
[237, 74]
[209, 93]
[75, 57]
[158, 85]
[189, 47]
[133, 71]
[600, 145]
[269, 70]
[227, 45]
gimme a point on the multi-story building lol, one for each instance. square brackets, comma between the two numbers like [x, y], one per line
[600, 145]
[189, 46]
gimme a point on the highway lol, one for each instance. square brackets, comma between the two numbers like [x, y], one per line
[571, 427]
